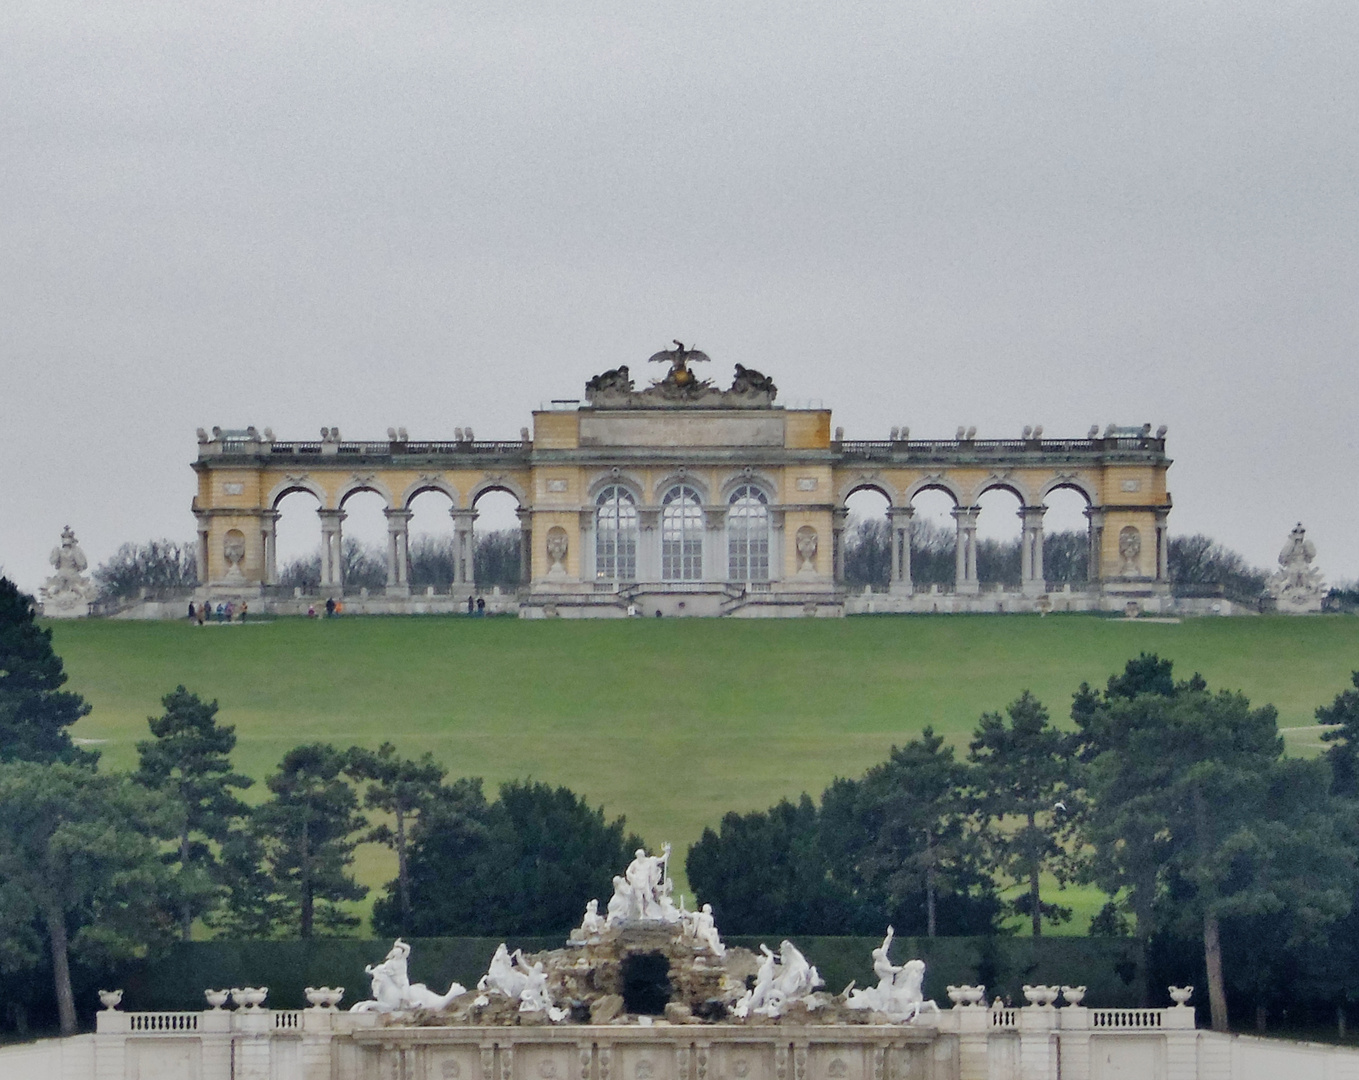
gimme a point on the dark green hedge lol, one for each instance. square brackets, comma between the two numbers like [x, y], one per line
[176, 981]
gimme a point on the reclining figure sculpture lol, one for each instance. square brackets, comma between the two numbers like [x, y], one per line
[394, 992]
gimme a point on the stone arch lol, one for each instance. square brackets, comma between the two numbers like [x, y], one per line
[355, 484]
[881, 486]
[288, 485]
[498, 483]
[617, 477]
[675, 479]
[754, 479]
[1072, 483]
[937, 483]
[428, 483]
[1019, 490]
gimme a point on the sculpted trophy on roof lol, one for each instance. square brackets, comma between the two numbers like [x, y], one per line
[680, 385]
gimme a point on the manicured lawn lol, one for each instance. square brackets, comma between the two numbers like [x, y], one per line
[671, 722]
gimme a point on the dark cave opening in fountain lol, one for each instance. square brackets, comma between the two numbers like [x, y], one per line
[646, 983]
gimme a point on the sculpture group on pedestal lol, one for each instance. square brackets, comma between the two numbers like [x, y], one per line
[643, 892]
[784, 978]
[898, 995]
[511, 976]
[394, 992]
[67, 593]
[1297, 585]
[705, 980]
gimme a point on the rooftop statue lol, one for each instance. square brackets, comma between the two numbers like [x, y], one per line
[680, 386]
[678, 358]
[1297, 585]
[67, 593]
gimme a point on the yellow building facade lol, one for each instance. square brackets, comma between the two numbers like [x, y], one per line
[684, 499]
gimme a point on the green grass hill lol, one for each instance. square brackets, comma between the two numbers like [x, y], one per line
[671, 722]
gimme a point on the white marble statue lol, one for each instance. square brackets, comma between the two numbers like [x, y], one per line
[67, 593]
[593, 922]
[535, 998]
[703, 929]
[898, 995]
[394, 992]
[643, 893]
[783, 978]
[507, 974]
[1297, 585]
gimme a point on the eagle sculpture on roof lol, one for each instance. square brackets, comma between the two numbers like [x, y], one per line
[679, 359]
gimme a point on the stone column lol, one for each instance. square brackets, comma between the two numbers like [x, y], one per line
[715, 543]
[900, 517]
[525, 546]
[965, 565]
[838, 518]
[1095, 516]
[1162, 546]
[269, 534]
[204, 528]
[464, 547]
[398, 552]
[332, 549]
[1031, 550]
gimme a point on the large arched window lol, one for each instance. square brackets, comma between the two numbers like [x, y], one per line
[615, 535]
[681, 535]
[748, 535]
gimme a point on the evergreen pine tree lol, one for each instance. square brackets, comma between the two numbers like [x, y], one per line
[189, 762]
[35, 712]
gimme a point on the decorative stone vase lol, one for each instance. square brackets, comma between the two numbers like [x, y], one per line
[317, 997]
[217, 998]
[110, 999]
[1074, 994]
[973, 994]
[956, 994]
[1181, 995]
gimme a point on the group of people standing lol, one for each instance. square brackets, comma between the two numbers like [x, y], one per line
[224, 612]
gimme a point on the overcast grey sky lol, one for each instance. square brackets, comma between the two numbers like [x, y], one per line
[432, 215]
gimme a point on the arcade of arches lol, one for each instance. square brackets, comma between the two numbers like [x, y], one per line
[714, 502]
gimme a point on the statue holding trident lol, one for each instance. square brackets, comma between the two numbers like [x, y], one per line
[643, 892]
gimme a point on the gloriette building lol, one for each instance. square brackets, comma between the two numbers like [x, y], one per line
[690, 499]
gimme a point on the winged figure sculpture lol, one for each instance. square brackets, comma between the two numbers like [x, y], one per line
[679, 359]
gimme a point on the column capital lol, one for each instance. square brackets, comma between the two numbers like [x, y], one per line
[1032, 515]
[462, 519]
[901, 514]
[397, 515]
[966, 516]
[330, 517]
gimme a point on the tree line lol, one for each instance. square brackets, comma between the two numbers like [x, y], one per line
[1174, 799]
